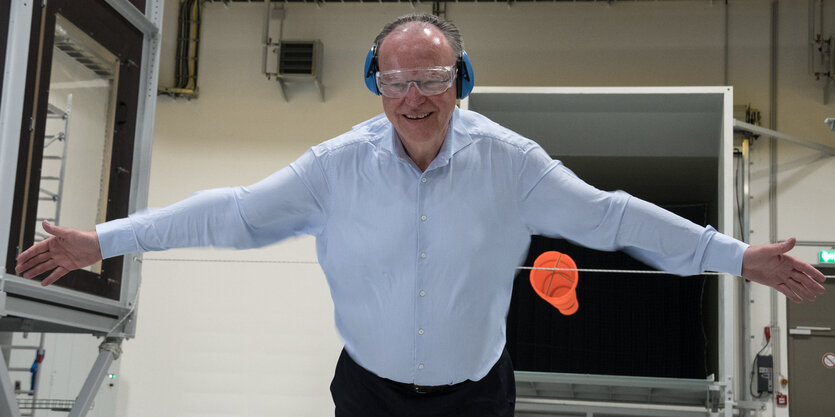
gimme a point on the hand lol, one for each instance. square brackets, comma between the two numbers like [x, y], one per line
[769, 265]
[66, 250]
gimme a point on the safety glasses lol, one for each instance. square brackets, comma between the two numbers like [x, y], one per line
[429, 81]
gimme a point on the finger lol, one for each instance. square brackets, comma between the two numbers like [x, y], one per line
[54, 276]
[788, 293]
[32, 262]
[809, 270]
[796, 286]
[35, 250]
[40, 269]
[810, 283]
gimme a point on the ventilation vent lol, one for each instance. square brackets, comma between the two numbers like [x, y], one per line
[297, 61]
[299, 58]
[83, 49]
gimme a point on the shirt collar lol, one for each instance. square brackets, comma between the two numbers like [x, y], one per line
[457, 138]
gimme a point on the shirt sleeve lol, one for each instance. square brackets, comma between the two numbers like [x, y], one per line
[556, 203]
[287, 203]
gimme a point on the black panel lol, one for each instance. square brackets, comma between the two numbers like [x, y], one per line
[826, 269]
[139, 4]
[627, 324]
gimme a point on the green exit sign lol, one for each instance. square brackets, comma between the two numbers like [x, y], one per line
[827, 256]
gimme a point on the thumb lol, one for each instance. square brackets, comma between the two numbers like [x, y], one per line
[783, 247]
[52, 230]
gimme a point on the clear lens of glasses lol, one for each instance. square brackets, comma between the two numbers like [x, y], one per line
[429, 81]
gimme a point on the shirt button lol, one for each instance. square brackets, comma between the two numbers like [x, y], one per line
[420, 331]
[422, 293]
[423, 179]
[423, 256]
[423, 218]
[420, 366]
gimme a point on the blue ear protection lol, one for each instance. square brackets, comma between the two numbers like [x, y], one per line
[371, 69]
[463, 84]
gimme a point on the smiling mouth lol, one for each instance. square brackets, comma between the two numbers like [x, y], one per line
[417, 116]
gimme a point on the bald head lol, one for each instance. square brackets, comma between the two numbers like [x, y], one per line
[446, 28]
[415, 45]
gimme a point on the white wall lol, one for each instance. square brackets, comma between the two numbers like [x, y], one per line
[250, 339]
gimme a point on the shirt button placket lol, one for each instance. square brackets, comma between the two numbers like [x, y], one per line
[422, 256]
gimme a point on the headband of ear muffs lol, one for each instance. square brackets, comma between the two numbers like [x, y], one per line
[464, 79]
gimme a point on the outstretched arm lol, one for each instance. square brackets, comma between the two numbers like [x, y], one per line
[66, 250]
[770, 265]
[275, 208]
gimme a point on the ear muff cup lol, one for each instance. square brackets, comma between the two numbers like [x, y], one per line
[371, 69]
[464, 82]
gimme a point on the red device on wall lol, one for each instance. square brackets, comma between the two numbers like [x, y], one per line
[782, 399]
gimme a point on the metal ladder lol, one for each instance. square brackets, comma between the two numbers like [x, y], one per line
[27, 405]
[13, 406]
[55, 152]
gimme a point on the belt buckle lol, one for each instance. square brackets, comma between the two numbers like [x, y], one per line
[420, 389]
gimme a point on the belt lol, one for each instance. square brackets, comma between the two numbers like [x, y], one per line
[426, 389]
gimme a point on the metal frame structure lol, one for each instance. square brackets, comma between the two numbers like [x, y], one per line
[759, 130]
[614, 395]
[25, 305]
[553, 393]
[749, 133]
[536, 391]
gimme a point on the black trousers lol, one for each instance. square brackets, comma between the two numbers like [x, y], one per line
[358, 392]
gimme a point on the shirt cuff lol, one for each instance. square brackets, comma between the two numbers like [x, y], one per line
[724, 254]
[116, 237]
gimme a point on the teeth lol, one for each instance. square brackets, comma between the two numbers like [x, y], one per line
[417, 116]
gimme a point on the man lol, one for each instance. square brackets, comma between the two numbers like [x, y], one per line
[421, 217]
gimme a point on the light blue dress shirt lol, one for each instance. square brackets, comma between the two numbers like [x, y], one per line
[421, 264]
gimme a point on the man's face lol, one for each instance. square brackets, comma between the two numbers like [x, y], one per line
[418, 119]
